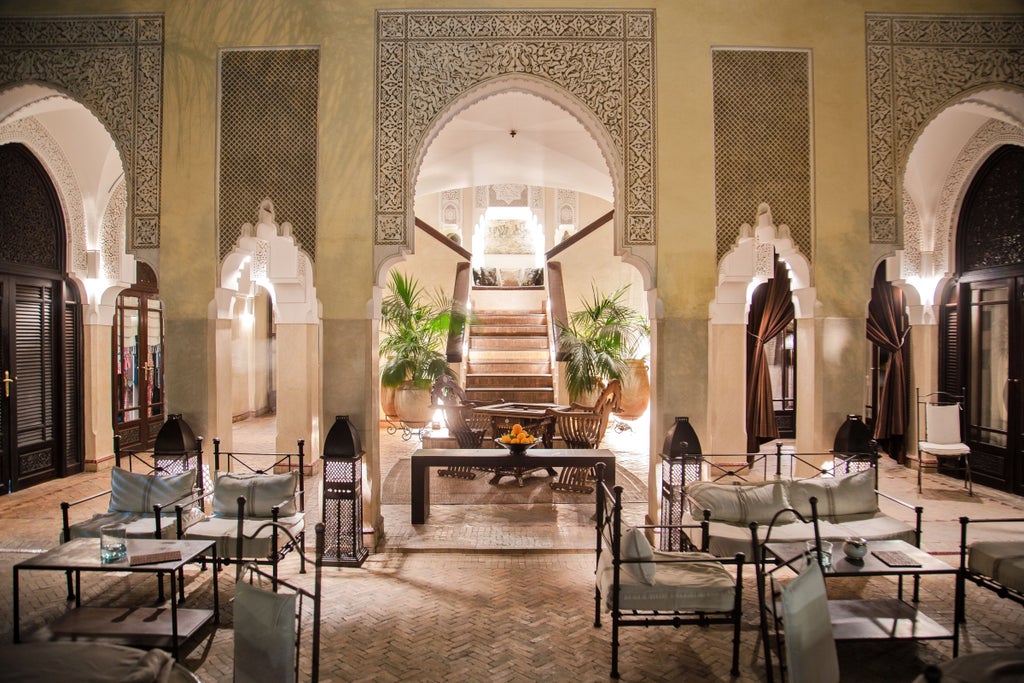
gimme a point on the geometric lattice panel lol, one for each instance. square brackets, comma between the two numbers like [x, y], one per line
[268, 140]
[762, 122]
[916, 64]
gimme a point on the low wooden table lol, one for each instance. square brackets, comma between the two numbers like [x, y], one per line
[142, 625]
[423, 460]
[878, 618]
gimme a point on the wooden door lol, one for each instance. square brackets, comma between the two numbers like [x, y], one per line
[138, 369]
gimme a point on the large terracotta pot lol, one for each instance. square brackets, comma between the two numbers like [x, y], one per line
[387, 401]
[413, 406]
[636, 391]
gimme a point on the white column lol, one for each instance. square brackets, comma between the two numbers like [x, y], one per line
[298, 388]
[727, 389]
[97, 397]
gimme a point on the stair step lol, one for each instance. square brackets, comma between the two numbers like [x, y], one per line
[510, 395]
[511, 343]
[509, 330]
[519, 381]
[509, 318]
[507, 366]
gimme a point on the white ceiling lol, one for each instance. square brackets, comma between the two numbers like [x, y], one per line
[551, 148]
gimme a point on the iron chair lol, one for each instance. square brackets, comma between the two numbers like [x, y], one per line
[943, 433]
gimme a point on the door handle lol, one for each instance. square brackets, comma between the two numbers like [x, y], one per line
[8, 381]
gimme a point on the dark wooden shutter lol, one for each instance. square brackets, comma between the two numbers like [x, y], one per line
[35, 438]
[72, 373]
[950, 364]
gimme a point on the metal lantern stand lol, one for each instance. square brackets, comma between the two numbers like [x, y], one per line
[681, 462]
[343, 496]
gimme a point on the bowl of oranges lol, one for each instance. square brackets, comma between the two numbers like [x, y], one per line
[517, 441]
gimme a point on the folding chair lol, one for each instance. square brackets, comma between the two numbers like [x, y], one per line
[268, 624]
[943, 433]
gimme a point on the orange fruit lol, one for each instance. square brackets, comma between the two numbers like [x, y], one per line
[516, 428]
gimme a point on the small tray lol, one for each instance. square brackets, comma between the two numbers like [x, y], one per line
[895, 558]
[154, 558]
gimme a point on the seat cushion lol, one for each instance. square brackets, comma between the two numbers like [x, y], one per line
[679, 587]
[136, 524]
[224, 530]
[131, 492]
[853, 494]
[944, 449]
[1002, 561]
[262, 492]
[876, 527]
[942, 423]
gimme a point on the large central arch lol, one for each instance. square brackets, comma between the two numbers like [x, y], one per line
[428, 61]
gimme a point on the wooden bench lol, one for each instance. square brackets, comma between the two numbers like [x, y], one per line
[423, 460]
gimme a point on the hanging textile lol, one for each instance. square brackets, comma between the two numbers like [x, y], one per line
[889, 328]
[771, 310]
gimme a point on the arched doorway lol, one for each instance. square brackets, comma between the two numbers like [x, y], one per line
[988, 328]
[40, 350]
[138, 362]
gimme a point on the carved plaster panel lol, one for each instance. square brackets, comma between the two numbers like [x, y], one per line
[912, 230]
[112, 235]
[33, 135]
[915, 64]
[114, 66]
[567, 204]
[426, 60]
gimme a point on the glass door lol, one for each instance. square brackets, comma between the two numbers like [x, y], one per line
[993, 387]
[138, 369]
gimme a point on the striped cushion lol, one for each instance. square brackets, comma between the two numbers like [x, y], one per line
[262, 492]
[131, 492]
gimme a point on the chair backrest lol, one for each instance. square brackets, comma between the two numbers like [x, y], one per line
[446, 391]
[809, 643]
[942, 423]
[579, 428]
[268, 625]
[608, 401]
[467, 426]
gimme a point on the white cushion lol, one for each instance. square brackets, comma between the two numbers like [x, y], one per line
[853, 494]
[943, 449]
[224, 530]
[131, 492]
[264, 635]
[262, 492]
[136, 524]
[680, 587]
[1000, 560]
[740, 503]
[635, 546]
[810, 644]
[942, 423]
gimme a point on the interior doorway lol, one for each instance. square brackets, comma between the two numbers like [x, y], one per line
[989, 339]
[138, 362]
[40, 342]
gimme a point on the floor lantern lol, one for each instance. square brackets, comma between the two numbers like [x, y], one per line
[343, 496]
[681, 463]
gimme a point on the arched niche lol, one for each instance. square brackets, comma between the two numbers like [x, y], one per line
[266, 255]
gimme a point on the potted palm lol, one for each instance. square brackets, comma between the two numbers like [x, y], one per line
[603, 341]
[414, 330]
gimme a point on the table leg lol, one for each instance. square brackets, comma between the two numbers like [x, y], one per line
[17, 628]
[174, 612]
[420, 492]
[78, 588]
[216, 591]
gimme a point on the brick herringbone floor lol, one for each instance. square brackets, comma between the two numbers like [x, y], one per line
[499, 595]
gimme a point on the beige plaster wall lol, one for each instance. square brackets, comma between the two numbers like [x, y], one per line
[344, 32]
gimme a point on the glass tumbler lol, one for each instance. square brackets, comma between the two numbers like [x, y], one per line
[113, 547]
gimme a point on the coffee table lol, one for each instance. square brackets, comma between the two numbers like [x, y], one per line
[873, 619]
[153, 626]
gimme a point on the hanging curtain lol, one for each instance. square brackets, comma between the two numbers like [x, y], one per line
[771, 310]
[889, 328]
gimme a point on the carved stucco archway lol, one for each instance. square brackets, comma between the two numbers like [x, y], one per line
[428, 61]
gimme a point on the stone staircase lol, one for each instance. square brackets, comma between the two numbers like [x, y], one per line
[509, 358]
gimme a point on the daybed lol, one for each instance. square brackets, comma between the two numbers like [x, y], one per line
[847, 507]
[996, 565]
[640, 586]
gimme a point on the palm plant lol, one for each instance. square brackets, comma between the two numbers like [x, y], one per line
[599, 339]
[414, 331]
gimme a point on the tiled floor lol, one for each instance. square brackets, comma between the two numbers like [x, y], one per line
[504, 593]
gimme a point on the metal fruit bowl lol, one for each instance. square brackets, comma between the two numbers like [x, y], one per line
[516, 448]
